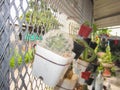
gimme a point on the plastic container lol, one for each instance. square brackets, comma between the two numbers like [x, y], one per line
[81, 67]
[84, 31]
[99, 82]
[78, 49]
[49, 66]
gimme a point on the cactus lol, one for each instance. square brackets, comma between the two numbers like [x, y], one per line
[59, 42]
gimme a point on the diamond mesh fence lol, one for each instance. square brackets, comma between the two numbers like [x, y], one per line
[22, 25]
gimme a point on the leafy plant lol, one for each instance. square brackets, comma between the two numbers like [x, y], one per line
[16, 59]
[100, 67]
[94, 32]
[107, 57]
[103, 31]
[29, 56]
[88, 54]
[40, 14]
[58, 42]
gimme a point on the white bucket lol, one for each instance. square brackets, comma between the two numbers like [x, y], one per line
[49, 66]
[81, 67]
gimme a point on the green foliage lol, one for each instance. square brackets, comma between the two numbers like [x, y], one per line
[88, 54]
[107, 57]
[104, 31]
[100, 68]
[16, 59]
[98, 31]
[41, 15]
[58, 42]
[12, 62]
[29, 56]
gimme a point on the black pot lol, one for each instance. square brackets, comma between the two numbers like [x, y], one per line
[89, 81]
[90, 43]
[78, 49]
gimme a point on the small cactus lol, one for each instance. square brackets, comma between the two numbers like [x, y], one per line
[59, 42]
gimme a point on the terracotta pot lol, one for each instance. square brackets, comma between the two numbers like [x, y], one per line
[106, 72]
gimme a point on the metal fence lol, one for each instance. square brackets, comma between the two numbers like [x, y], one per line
[17, 19]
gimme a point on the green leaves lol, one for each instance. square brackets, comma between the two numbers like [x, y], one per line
[88, 54]
[16, 59]
[107, 58]
[12, 62]
[29, 56]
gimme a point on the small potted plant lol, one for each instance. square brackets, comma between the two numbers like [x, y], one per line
[85, 58]
[106, 61]
[53, 57]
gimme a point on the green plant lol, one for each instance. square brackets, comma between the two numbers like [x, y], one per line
[107, 57]
[88, 54]
[29, 56]
[58, 42]
[94, 32]
[103, 31]
[16, 59]
[40, 14]
[100, 67]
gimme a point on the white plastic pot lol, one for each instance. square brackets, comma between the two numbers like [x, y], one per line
[50, 66]
[81, 67]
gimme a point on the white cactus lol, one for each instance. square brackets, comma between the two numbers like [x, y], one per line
[58, 42]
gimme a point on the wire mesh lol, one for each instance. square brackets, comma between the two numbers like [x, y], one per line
[23, 23]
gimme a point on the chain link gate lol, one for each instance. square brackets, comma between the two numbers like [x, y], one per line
[18, 18]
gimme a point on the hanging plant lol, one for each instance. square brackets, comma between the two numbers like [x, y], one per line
[88, 54]
[107, 57]
[58, 42]
[55, 55]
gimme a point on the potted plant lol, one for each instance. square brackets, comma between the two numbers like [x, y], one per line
[85, 58]
[106, 61]
[53, 57]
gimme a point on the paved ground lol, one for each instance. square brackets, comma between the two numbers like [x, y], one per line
[114, 82]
